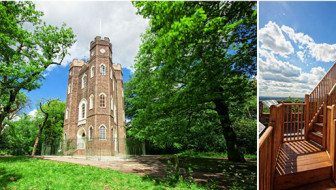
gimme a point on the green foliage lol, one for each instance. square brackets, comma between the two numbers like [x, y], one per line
[27, 47]
[21, 173]
[196, 58]
[293, 100]
[19, 136]
[52, 133]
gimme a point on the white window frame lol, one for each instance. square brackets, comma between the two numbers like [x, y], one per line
[101, 70]
[80, 112]
[115, 114]
[92, 71]
[100, 135]
[90, 134]
[112, 103]
[105, 99]
[69, 88]
[91, 102]
[84, 81]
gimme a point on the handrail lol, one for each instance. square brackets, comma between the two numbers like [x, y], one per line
[318, 95]
[266, 159]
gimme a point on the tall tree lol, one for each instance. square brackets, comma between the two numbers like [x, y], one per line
[194, 68]
[27, 47]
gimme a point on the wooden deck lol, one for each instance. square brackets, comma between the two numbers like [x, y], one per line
[299, 156]
[301, 162]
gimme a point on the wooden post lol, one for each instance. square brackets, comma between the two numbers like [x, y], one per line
[332, 141]
[306, 117]
[325, 117]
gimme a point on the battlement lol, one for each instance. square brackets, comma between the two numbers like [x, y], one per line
[100, 41]
[77, 63]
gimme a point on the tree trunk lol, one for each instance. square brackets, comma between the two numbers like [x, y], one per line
[229, 134]
[40, 131]
[37, 140]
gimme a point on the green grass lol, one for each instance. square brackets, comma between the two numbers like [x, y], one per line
[30, 173]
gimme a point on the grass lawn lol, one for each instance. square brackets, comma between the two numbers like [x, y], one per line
[30, 173]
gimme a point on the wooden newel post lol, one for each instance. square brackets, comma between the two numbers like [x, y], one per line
[325, 117]
[306, 116]
[332, 142]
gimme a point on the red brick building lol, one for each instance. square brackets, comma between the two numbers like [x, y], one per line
[95, 114]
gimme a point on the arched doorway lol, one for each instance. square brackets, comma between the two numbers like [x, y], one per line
[81, 135]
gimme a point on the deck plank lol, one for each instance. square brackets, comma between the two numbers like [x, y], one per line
[300, 156]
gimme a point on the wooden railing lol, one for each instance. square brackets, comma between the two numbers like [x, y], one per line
[318, 95]
[331, 140]
[294, 121]
[269, 146]
[265, 159]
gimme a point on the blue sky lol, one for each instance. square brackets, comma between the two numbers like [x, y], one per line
[119, 22]
[297, 46]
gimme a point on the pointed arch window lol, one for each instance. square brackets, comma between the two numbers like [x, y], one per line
[102, 132]
[91, 100]
[111, 103]
[82, 110]
[91, 133]
[102, 100]
[92, 71]
[84, 80]
[102, 69]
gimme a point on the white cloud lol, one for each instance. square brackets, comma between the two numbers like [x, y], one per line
[271, 64]
[278, 76]
[272, 38]
[321, 52]
[300, 55]
[300, 38]
[119, 22]
[32, 113]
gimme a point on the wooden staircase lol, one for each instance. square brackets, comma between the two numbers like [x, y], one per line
[316, 133]
[298, 149]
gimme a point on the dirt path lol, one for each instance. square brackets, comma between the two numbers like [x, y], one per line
[142, 165]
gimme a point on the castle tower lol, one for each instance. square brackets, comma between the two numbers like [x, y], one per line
[94, 121]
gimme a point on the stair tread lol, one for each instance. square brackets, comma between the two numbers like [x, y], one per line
[319, 124]
[317, 133]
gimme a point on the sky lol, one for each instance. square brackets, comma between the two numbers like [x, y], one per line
[119, 22]
[297, 46]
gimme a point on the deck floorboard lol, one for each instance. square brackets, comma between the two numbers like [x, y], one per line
[300, 156]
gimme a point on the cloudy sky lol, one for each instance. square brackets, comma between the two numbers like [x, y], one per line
[297, 46]
[119, 22]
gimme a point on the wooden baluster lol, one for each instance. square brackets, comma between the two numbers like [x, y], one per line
[306, 118]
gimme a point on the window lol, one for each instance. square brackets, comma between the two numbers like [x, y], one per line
[84, 81]
[102, 69]
[82, 110]
[91, 101]
[115, 114]
[111, 103]
[102, 132]
[69, 88]
[66, 113]
[92, 71]
[102, 98]
[111, 74]
[91, 133]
